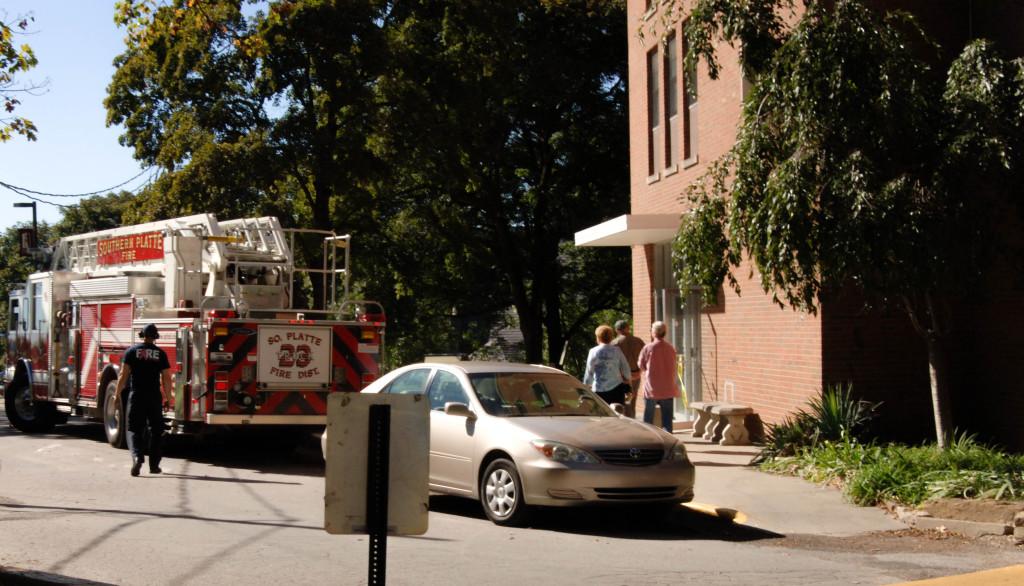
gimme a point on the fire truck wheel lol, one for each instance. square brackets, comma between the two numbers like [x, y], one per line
[25, 414]
[114, 420]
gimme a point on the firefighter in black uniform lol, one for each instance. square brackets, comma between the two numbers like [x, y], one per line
[144, 369]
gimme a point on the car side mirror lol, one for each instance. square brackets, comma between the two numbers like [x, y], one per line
[459, 409]
[618, 408]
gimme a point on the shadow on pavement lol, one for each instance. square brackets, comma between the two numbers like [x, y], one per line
[633, 522]
[274, 451]
[720, 464]
[68, 510]
[18, 577]
[266, 451]
[208, 478]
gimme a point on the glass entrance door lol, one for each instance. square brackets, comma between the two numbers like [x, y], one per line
[680, 310]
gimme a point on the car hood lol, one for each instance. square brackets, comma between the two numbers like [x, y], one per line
[592, 432]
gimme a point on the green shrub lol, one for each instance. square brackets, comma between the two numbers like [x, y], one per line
[836, 413]
[870, 474]
[833, 416]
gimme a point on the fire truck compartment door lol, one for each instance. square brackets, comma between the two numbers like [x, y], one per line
[182, 374]
[294, 356]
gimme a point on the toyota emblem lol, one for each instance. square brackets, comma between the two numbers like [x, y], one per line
[634, 453]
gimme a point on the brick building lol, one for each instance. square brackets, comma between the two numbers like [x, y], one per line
[745, 348]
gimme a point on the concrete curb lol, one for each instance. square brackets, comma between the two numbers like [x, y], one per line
[973, 529]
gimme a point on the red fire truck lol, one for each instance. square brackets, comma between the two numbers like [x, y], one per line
[222, 294]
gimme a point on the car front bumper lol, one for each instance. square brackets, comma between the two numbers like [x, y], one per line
[550, 483]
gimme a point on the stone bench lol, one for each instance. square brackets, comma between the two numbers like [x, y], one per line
[730, 427]
[702, 409]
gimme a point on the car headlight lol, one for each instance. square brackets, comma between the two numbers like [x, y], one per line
[676, 454]
[560, 452]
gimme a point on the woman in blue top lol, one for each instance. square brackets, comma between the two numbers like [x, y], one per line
[607, 368]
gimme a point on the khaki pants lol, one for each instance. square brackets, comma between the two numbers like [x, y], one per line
[631, 400]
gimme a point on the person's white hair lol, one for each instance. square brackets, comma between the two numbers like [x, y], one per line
[658, 329]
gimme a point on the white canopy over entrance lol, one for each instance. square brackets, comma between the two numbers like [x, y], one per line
[681, 311]
[630, 229]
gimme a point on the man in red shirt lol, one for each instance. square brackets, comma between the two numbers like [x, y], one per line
[657, 364]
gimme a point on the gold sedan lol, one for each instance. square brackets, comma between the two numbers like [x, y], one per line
[516, 435]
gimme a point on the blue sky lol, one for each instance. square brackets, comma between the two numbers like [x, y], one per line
[76, 42]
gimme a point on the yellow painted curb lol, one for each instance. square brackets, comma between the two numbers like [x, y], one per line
[721, 512]
[1008, 576]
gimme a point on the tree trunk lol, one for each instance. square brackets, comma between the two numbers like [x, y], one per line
[533, 333]
[553, 317]
[930, 317]
[938, 371]
[321, 221]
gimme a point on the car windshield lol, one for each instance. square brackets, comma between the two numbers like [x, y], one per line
[522, 394]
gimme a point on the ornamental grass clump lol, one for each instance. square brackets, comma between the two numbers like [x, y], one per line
[871, 474]
[833, 416]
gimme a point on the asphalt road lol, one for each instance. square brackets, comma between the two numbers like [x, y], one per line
[247, 511]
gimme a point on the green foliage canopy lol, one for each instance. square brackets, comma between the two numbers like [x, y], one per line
[460, 143]
[14, 60]
[505, 123]
[859, 162]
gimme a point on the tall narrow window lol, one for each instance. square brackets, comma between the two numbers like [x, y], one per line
[671, 101]
[690, 110]
[653, 112]
[15, 316]
[38, 317]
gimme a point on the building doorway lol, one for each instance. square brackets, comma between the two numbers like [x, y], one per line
[681, 312]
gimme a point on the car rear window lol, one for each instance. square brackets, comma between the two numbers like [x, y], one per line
[524, 394]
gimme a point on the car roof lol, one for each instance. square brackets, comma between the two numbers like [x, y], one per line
[477, 366]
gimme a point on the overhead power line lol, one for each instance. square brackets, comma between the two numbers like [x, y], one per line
[25, 190]
[32, 194]
[54, 204]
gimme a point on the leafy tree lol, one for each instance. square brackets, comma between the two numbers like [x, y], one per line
[101, 212]
[859, 162]
[14, 60]
[461, 143]
[438, 295]
[505, 124]
[15, 269]
[93, 213]
[250, 110]
[591, 295]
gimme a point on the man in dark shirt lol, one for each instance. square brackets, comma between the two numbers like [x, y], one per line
[630, 346]
[144, 369]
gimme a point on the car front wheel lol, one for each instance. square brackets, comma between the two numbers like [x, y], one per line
[501, 494]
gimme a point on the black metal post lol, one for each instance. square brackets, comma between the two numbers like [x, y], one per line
[378, 452]
[35, 225]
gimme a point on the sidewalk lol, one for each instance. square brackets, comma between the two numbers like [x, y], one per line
[784, 504]
[728, 485]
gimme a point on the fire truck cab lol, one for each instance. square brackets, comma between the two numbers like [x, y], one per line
[223, 295]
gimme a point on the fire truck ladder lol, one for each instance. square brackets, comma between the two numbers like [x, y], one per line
[333, 272]
[260, 244]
